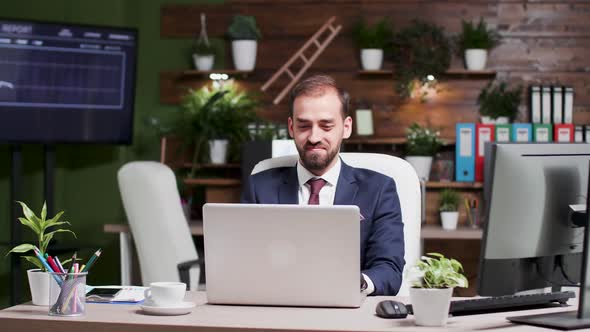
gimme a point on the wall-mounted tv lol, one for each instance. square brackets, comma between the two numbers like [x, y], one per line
[66, 83]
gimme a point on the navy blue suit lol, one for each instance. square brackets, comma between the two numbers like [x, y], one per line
[382, 237]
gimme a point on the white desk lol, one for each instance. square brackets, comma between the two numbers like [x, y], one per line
[116, 317]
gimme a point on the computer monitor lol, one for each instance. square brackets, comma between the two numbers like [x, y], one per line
[529, 239]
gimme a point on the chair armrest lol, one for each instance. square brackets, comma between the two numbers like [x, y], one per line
[184, 267]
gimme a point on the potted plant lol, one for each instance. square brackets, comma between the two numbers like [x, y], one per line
[44, 230]
[203, 51]
[474, 42]
[421, 53]
[499, 104]
[371, 40]
[244, 35]
[449, 208]
[434, 278]
[421, 145]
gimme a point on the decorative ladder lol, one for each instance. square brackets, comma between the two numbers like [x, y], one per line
[300, 54]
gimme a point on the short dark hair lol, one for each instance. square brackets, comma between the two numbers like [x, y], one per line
[316, 86]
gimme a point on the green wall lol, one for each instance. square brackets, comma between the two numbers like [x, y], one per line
[85, 182]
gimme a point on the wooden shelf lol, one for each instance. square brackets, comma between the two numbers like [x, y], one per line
[434, 232]
[454, 185]
[230, 72]
[451, 72]
[387, 140]
[217, 182]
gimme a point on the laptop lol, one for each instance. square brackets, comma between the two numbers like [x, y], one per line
[288, 255]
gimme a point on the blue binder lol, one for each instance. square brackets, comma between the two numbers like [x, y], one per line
[522, 132]
[465, 152]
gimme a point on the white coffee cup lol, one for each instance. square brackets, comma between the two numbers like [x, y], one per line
[163, 294]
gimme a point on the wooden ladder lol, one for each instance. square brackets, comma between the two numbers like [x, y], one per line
[313, 41]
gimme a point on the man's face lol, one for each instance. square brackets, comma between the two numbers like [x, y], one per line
[318, 129]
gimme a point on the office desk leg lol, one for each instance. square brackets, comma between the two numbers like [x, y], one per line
[125, 244]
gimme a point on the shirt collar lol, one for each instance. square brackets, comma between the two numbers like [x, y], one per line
[331, 176]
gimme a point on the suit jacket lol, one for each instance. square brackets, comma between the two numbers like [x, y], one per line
[382, 237]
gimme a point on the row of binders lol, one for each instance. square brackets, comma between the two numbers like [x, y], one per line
[471, 139]
[552, 104]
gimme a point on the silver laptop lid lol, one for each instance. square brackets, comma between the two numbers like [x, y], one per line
[296, 255]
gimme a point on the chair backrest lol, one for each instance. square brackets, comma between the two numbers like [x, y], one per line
[159, 227]
[408, 188]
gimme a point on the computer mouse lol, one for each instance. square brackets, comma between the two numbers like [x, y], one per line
[391, 309]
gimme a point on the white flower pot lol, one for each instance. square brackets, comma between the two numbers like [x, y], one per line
[218, 151]
[449, 219]
[421, 164]
[475, 59]
[431, 305]
[203, 62]
[244, 54]
[39, 284]
[498, 120]
[371, 58]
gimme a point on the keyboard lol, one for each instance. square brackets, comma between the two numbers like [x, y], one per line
[506, 303]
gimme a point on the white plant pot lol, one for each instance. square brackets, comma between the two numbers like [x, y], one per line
[431, 305]
[498, 120]
[371, 58]
[204, 62]
[39, 284]
[449, 220]
[218, 151]
[421, 164]
[475, 59]
[244, 54]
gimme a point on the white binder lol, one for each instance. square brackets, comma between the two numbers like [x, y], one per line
[546, 105]
[568, 105]
[535, 104]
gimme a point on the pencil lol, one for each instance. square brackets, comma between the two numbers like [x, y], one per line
[92, 260]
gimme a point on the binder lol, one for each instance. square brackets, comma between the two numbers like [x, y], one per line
[465, 152]
[579, 134]
[535, 104]
[483, 133]
[557, 100]
[522, 132]
[542, 132]
[563, 132]
[503, 133]
[568, 105]
[587, 133]
[546, 105]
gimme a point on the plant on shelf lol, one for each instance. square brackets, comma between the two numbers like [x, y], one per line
[434, 277]
[421, 53]
[421, 145]
[449, 208]
[474, 42]
[499, 104]
[372, 40]
[202, 50]
[244, 35]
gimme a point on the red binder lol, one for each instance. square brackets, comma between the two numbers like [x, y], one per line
[563, 132]
[483, 133]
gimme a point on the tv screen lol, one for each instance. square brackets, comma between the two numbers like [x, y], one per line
[66, 83]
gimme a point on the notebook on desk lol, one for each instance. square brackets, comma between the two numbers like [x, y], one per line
[292, 255]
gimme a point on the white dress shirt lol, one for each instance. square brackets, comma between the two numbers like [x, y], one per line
[327, 194]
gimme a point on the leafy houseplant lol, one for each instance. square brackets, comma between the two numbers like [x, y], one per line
[371, 40]
[436, 276]
[448, 207]
[475, 41]
[244, 35]
[496, 100]
[243, 28]
[419, 50]
[202, 50]
[422, 141]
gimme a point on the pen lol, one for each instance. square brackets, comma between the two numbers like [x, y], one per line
[58, 263]
[92, 260]
[47, 267]
[51, 262]
[468, 211]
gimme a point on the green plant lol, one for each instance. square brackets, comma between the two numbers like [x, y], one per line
[377, 36]
[449, 200]
[439, 272]
[44, 230]
[422, 141]
[477, 37]
[203, 48]
[243, 27]
[497, 100]
[419, 50]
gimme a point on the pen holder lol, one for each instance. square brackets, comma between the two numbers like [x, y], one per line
[475, 217]
[68, 294]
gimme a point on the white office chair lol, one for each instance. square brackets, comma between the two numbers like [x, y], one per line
[158, 225]
[408, 188]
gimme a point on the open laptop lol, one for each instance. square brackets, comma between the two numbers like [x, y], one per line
[292, 255]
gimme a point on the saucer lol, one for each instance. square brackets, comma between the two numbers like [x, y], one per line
[182, 308]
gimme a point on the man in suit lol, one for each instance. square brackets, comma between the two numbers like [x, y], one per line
[318, 122]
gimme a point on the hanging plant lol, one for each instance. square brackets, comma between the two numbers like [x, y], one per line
[419, 50]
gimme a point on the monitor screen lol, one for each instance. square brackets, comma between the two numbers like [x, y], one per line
[529, 240]
[66, 83]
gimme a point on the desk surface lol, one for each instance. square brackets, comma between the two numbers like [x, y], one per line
[204, 317]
